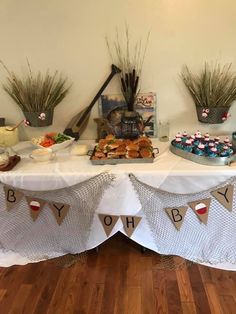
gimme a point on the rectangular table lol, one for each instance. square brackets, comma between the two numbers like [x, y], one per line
[168, 172]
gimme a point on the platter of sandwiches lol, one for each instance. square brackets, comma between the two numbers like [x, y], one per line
[111, 150]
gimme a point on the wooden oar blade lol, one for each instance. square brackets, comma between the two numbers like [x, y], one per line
[72, 129]
[78, 123]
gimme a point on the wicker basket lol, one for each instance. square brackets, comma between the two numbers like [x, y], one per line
[35, 119]
[215, 115]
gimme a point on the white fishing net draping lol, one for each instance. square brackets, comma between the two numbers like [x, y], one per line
[44, 238]
[212, 243]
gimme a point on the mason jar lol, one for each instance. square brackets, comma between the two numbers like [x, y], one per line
[4, 157]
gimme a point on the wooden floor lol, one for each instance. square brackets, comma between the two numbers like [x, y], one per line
[118, 279]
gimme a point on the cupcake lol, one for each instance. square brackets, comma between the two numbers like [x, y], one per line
[209, 146]
[184, 136]
[230, 146]
[178, 142]
[188, 146]
[178, 135]
[198, 138]
[218, 145]
[226, 140]
[206, 141]
[213, 152]
[225, 152]
[200, 150]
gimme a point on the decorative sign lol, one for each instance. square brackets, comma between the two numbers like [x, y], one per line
[201, 209]
[108, 222]
[225, 196]
[35, 205]
[12, 197]
[130, 223]
[59, 210]
[177, 215]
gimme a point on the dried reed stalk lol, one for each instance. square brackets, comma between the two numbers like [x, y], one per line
[215, 86]
[36, 92]
[130, 61]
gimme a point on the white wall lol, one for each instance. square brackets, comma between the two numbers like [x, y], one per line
[69, 36]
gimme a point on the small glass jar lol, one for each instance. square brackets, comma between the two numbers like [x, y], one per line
[4, 158]
[163, 130]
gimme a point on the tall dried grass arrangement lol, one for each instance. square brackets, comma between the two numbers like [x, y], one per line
[215, 86]
[36, 92]
[129, 58]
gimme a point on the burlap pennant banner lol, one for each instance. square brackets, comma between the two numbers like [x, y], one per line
[59, 210]
[177, 215]
[225, 196]
[201, 209]
[35, 206]
[130, 223]
[108, 222]
[12, 196]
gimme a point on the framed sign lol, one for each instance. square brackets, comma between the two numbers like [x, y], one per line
[112, 106]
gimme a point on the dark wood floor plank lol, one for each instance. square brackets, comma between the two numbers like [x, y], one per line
[122, 299]
[38, 279]
[111, 284]
[228, 304]
[147, 291]
[224, 281]
[159, 284]
[133, 304]
[205, 273]
[134, 270]
[20, 299]
[48, 282]
[12, 279]
[213, 298]
[172, 293]
[74, 284]
[60, 293]
[188, 308]
[2, 293]
[97, 296]
[198, 289]
[184, 284]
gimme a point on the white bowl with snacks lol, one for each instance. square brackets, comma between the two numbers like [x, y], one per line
[54, 141]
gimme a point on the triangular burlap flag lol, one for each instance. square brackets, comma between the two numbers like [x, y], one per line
[35, 205]
[108, 222]
[12, 196]
[130, 223]
[201, 209]
[59, 210]
[177, 215]
[225, 196]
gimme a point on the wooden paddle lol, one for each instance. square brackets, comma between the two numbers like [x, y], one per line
[78, 124]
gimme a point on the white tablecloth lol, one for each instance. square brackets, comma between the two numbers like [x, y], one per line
[168, 172]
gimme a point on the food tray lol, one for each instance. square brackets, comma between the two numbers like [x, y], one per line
[208, 161]
[59, 146]
[114, 161]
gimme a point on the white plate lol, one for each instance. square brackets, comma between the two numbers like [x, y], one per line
[57, 147]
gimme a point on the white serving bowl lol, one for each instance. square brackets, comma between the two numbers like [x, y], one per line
[56, 147]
